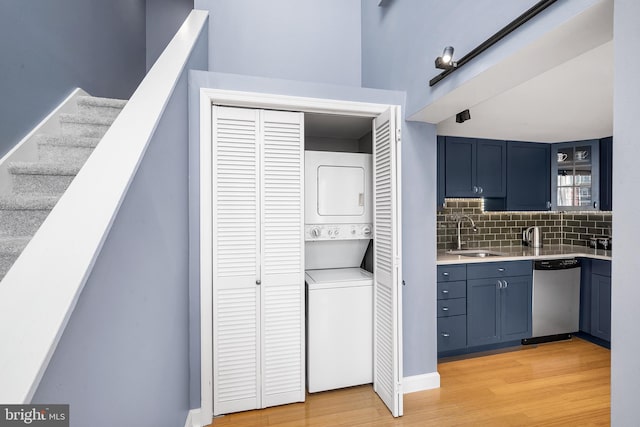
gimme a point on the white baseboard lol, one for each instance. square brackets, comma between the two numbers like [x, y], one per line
[420, 382]
[193, 418]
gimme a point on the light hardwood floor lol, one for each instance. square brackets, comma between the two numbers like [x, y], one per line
[557, 384]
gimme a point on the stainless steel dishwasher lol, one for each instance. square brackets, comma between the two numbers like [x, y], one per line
[556, 300]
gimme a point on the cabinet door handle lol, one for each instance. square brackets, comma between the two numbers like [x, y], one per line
[258, 282]
[501, 270]
[499, 284]
[445, 274]
[445, 291]
[475, 189]
[445, 308]
[548, 205]
[480, 190]
[445, 334]
[506, 284]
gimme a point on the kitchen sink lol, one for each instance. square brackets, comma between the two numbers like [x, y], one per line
[475, 253]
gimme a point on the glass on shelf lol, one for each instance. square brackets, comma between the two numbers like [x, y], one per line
[565, 196]
[582, 154]
[583, 196]
[565, 177]
[583, 178]
[565, 156]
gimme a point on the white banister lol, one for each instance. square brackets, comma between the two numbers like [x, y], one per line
[40, 291]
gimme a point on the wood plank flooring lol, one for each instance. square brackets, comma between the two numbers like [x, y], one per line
[557, 384]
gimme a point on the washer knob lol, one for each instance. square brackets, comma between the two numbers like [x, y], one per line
[366, 230]
[337, 232]
[315, 232]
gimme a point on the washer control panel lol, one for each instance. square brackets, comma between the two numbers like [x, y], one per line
[338, 231]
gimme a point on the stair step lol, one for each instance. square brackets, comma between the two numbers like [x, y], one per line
[10, 249]
[65, 148]
[22, 215]
[89, 125]
[105, 107]
[41, 177]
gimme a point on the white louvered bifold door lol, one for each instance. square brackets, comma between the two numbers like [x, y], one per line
[387, 291]
[236, 256]
[282, 155]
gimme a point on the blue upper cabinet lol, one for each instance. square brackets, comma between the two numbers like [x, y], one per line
[441, 178]
[475, 167]
[575, 175]
[606, 165]
[528, 176]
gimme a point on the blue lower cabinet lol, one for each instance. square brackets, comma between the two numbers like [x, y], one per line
[601, 306]
[515, 306]
[595, 298]
[483, 304]
[452, 333]
[498, 309]
[452, 307]
[483, 312]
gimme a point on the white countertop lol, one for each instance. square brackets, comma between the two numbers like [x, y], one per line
[518, 253]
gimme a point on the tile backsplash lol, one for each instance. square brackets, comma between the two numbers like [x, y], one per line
[496, 229]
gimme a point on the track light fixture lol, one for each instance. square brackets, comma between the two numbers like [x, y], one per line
[463, 116]
[445, 62]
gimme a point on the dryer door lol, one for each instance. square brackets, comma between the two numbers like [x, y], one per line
[341, 190]
[337, 188]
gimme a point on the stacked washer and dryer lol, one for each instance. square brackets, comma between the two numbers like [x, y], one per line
[338, 230]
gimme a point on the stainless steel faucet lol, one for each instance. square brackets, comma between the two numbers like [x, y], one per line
[459, 219]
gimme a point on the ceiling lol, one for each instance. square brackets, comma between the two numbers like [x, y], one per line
[572, 101]
[557, 88]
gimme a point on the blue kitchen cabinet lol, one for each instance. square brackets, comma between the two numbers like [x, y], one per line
[475, 167]
[451, 306]
[516, 308]
[528, 176]
[595, 298]
[606, 167]
[483, 312]
[585, 295]
[601, 299]
[498, 302]
[575, 175]
[601, 307]
[441, 175]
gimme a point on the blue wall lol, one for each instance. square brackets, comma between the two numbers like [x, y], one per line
[51, 47]
[123, 359]
[163, 18]
[316, 41]
[625, 317]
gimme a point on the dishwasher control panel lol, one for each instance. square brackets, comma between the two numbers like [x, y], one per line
[556, 264]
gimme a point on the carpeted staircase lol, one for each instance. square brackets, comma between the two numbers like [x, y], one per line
[37, 186]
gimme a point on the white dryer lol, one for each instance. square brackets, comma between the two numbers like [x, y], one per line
[338, 229]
